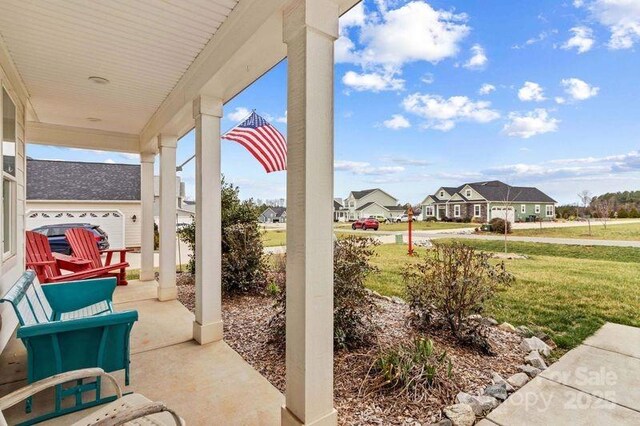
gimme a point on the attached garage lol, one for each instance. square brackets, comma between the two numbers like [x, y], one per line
[111, 221]
[107, 195]
[502, 212]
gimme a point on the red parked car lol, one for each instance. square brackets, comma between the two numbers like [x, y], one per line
[364, 224]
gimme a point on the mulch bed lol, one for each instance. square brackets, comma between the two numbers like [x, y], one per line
[246, 330]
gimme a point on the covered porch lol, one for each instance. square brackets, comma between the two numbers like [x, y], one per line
[203, 383]
[135, 79]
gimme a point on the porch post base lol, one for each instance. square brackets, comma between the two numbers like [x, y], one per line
[147, 276]
[167, 293]
[290, 419]
[207, 333]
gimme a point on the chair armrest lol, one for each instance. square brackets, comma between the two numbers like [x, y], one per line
[41, 263]
[133, 413]
[21, 394]
[125, 250]
[54, 327]
[73, 295]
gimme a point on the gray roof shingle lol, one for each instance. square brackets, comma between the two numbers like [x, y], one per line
[75, 180]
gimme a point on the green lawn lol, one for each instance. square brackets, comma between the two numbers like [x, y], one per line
[279, 238]
[565, 291]
[627, 231]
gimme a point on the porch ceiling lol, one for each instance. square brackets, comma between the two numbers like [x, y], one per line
[143, 48]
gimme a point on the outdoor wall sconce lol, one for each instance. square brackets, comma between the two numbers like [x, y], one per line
[134, 218]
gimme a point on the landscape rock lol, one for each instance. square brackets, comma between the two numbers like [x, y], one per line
[489, 322]
[497, 380]
[523, 330]
[487, 403]
[498, 391]
[397, 300]
[530, 370]
[535, 344]
[443, 422]
[535, 359]
[460, 414]
[479, 404]
[507, 327]
[518, 380]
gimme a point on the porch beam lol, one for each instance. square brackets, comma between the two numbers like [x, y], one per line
[167, 289]
[83, 138]
[310, 27]
[207, 326]
[147, 196]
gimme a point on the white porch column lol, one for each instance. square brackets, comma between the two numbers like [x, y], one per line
[207, 326]
[310, 28]
[167, 289]
[146, 199]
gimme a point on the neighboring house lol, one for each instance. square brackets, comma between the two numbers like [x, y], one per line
[185, 210]
[340, 212]
[273, 215]
[483, 201]
[371, 202]
[102, 194]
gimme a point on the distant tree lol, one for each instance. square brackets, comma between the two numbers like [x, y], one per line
[604, 208]
[585, 199]
[623, 213]
[634, 213]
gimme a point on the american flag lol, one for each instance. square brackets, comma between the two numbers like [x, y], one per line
[262, 140]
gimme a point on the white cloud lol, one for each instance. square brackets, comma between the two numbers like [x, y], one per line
[373, 81]
[427, 78]
[238, 114]
[621, 17]
[531, 91]
[479, 59]
[364, 168]
[443, 114]
[396, 122]
[413, 32]
[578, 89]
[355, 17]
[109, 161]
[532, 123]
[560, 100]
[486, 88]
[344, 50]
[582, 39]
[282, 119]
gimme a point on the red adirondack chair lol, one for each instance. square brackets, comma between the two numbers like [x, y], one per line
[48, 266]
[83, 245]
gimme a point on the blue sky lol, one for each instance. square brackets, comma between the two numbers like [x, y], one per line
[436, 93]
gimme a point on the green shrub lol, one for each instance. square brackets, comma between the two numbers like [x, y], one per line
[449, 285]
[623, 213]
[353, 305]
[633, 213]
[156, 236]
[243, 263]
[415, 370]
[497, 225]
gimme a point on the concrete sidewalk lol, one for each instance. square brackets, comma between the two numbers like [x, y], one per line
[597, 383]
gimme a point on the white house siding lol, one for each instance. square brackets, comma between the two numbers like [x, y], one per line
[132, 231]
[12, 267]
[378, 197]
[373, 210]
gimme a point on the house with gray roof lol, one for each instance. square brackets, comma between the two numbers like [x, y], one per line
[372, 202]
[483, 201]
[273, 214]
[104, 194]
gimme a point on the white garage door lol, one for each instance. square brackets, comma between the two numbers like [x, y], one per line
[111, 221]
[502, 213]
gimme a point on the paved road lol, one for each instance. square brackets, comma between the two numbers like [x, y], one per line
[566, 241]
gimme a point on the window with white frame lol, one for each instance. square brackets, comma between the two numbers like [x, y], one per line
[428, 211]
[9, 224]
[456, 210]
[537, 208]
[468, 193]
[523, 208]
[441, 194]
[477, 210]
[549, 210]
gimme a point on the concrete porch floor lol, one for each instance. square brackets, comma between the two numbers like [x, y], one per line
[596, 383]
[208, 384]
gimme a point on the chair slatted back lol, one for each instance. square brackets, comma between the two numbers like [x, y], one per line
[28, 300]
[84, 245]
[39, 250]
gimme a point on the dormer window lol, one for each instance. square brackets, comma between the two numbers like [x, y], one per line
[468, 193]
[441, 194]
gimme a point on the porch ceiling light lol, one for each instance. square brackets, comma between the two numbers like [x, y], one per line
[99, 80]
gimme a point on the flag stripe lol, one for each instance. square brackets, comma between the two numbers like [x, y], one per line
[264, 146]
[253, 148]
[273, 145]
[249, 148]
[280, 142]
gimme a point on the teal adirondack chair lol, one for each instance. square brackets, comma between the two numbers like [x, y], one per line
[70, 326]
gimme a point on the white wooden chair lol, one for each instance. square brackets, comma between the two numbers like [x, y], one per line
[131, 409]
